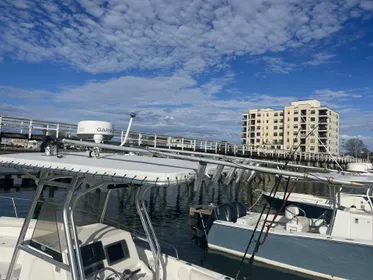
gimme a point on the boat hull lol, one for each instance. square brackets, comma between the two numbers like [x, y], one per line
[318, 257]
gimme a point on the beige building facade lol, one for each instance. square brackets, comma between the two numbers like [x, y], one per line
[304, 124]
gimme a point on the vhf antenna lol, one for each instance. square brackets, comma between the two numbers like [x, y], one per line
[128, 129]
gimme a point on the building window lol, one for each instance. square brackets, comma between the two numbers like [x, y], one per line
[312, 112]
[281, 134]
[259, 115]
[278, 147]
[257, 140]
[295, 119]
[312, 140]
[267, 121]
[258, 121]
[295, 126]
[288, 133]
[288, 119]
[266, 127]
[275, 134]
[276, 121]
[267, 115]
[276, 114]
[312, 119]
[296, 112]
[296, 140]
[288, 112]
[288, 140]
[258, 134]
[275, 127]
[312, 148]
[312, 126]
[258, 127]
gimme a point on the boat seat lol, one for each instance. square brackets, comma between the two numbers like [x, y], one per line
[240, 209]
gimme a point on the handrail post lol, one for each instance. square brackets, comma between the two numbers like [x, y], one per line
[139, 140]
[57, 130]
[14, 207]
[30, 130]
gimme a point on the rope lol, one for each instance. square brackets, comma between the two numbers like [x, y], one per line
[258, 199]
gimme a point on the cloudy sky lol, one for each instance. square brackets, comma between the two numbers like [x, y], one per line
[186, 68]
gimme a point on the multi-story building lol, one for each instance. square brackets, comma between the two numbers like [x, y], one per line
[304, 125]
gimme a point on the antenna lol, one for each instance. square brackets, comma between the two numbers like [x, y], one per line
[128, 129]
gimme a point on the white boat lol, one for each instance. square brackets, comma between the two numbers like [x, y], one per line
[339, 249]
[55, 245]
[365, 168]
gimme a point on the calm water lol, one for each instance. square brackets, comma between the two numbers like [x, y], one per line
[169, 211]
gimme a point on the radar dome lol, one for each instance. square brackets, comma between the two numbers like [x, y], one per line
[95, 130]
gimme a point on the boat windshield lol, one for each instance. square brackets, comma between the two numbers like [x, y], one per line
[48, 230]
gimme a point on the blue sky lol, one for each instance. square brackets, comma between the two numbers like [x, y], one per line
[187, 68]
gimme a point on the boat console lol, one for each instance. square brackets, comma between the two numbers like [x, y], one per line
[107, 253]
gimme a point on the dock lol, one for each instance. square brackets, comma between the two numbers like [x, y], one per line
[30, 129]
[9, 175]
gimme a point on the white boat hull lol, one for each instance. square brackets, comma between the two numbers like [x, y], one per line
[317, 256]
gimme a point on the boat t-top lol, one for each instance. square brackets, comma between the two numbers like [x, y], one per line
[52, 243]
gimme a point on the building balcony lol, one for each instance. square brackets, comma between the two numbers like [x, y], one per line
[323, 127]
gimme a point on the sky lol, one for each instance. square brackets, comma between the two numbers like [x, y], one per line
[187, 68]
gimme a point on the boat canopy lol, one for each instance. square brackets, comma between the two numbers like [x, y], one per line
[109, 167]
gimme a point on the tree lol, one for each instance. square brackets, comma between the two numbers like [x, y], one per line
[355, 146]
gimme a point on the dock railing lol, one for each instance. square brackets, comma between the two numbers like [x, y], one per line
[31, 128]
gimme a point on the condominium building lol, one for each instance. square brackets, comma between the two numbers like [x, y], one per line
[305, 125]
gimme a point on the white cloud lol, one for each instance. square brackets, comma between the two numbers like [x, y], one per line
[319, 59]
[338, 95]
[367, 5]
[141, 34]
[277, 65]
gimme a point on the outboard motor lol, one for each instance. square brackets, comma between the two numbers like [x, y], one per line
[224, 212]
[240, 209]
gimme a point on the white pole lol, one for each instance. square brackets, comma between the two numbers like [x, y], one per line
[128, 129]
